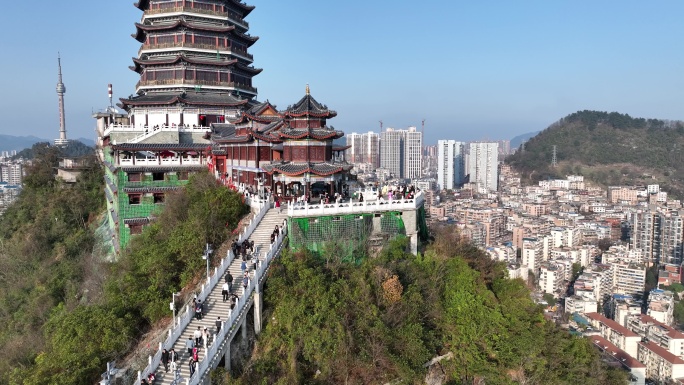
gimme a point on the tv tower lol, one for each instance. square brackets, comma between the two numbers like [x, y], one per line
[61, 90]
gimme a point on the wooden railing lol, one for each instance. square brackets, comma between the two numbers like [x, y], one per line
[233, 17]
[170, 82]
[212, 47]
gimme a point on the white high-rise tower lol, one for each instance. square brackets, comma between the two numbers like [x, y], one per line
[61, 90]
[483, 165]
[450, 164]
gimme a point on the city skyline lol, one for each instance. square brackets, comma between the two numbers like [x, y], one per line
[505, 71]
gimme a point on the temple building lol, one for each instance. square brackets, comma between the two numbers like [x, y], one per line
[290, 152]
[195, 108]
[195, 70]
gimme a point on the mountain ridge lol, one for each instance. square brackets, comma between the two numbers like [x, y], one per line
[608, 149]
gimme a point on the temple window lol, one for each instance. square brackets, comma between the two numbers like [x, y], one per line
[158, 176]
[134, 199]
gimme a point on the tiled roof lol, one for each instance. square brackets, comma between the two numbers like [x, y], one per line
[316, 133]
[166, 168]
[616, 352]
[187, 97]
[293, 168]
[160, 146]
[611, 324]
[139, 63]
[137, 221]
[309, 106]
[662, 352]
[145, 190]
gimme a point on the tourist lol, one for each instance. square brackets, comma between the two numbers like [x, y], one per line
[229, 281]
[245, 281]
[277, 205]
[193, 366]
[174, 369]
[225, 291]
[243, 266]
[165, 360]
[173, 356]
[360, 197]
[205, 338]
[198, 336]
[218, 325]
[189, 344]
[198, 310]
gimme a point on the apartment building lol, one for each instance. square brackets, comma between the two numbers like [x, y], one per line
[552, 277]
[450, 164]
[613, 354]
[483, 165]
[617, 334]
[661, 365]
[657, 332]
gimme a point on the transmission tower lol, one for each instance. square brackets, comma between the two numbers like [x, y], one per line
[554, 159]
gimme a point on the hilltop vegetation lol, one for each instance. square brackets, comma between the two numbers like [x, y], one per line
[609, 149]
[381, 321]
[65, 310]
[73, 149]
[45, 243]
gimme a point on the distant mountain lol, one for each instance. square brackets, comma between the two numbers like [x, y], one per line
[18, 143]
[87, 142]
[517, 141]
[74, 149]
[608, 149]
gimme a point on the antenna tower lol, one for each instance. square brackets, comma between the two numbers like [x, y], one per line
[61, 90]
[554, 159]
[380, 125]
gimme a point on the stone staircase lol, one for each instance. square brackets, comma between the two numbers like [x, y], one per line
[214, 305]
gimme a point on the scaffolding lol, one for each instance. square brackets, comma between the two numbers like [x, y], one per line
[350, 235]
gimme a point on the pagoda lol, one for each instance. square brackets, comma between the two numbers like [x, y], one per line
[195, 71]
[194, 64]
[290, 152]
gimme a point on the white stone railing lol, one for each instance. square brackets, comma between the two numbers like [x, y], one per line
[319, 209]
[147, 130]
[238, 312]
[161, 162]
[183, 320]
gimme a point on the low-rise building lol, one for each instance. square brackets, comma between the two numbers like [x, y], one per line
[619, 335]
[650, 329]
[661, 365]
[617, 357]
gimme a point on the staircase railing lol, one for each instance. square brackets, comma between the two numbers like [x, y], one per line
[183, 320]
[241, 307]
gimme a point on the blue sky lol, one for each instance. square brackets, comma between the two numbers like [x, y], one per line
[472, 69]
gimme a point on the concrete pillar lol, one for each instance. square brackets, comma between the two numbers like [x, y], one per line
[258, 300]
[226, 357]
[414, 243]
[244, 328]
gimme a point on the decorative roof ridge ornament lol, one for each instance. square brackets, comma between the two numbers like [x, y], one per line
[308, 90]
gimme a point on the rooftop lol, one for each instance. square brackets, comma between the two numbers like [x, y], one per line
[619, 354]
[662, 352]
[611, 324]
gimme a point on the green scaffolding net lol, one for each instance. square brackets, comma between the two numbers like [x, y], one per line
[347, 237]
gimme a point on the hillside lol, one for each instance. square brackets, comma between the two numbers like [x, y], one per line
[66, 309]
[73, 149]
[608, 149]
[381, 321]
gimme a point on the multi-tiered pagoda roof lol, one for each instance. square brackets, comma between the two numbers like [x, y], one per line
[191, 48]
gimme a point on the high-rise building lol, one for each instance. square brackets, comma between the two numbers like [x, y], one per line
[413, 151]
[450, 164]
[12, 174]
[659, 235]
[365, 148]
[392, 152]
[483, 165]
[401, 152]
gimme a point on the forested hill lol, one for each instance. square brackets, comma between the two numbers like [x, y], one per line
[381, 321]
[608, 148]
